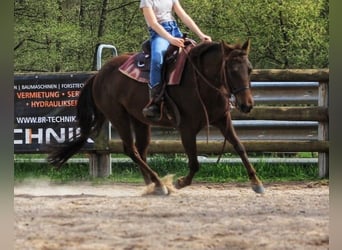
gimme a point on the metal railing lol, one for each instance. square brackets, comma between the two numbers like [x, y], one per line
[291, 115]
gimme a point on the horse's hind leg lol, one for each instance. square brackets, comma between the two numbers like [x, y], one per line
[122, 123]
[228, 131]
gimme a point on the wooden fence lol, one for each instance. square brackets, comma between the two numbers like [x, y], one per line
[291, 115]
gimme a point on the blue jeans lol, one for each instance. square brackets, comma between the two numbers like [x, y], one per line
[159, 46]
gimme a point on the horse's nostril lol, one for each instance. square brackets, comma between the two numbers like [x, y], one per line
[245, 108]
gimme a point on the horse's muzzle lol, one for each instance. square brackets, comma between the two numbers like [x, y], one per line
[245, 108]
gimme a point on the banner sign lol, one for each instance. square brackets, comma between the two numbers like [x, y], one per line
[45, 110]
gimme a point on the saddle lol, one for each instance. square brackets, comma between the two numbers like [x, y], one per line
[137, 66]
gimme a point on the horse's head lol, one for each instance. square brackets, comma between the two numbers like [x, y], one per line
[236, 71]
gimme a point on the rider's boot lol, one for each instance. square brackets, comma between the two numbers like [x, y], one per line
[153, 109]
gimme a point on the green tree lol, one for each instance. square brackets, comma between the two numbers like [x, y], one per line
[284, 33]
[62, 35]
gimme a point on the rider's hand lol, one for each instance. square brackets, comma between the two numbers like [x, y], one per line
[205, 38]
[176, 41]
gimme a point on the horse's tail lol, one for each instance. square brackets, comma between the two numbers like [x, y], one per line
[90, 121]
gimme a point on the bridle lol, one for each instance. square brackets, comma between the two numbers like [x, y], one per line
[236, 91]
[224, 79]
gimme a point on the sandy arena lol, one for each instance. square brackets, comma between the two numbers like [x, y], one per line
[202, 216]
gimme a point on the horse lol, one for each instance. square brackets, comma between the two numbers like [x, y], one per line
[213, 72]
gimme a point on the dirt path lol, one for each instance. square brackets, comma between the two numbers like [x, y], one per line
[203, 216]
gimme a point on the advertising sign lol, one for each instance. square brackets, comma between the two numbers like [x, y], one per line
[45, 109]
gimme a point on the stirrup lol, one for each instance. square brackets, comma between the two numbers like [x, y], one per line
[153, 111]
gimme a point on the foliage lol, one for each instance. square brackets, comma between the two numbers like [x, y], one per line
[24, 171]
[62, 35]
[165, 165]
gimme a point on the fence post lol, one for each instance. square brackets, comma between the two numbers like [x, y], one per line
[323, 130]
[100, 162]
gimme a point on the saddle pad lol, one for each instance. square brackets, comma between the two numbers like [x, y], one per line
[130, 69]
[142, 74]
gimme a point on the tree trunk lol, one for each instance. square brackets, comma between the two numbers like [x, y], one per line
[102, 19]
[101, 28]
[58, 64]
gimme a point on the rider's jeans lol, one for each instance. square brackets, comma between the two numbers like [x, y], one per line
[159, 46]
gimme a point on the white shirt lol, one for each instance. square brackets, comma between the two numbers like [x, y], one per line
[161, 8]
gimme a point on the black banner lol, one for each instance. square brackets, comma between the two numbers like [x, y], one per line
[45, 109]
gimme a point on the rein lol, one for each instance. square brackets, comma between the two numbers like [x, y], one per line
[205, 79]
[223, 75]
[224, 78]
[196, 70]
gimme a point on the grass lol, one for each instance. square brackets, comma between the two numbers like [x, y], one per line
[163, 165]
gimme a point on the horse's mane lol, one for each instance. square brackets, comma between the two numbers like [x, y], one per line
[202, 48]
[205, 47]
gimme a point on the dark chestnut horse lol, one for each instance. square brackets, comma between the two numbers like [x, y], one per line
[213, 72]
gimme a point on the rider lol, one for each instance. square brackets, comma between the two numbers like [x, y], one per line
[163, 31]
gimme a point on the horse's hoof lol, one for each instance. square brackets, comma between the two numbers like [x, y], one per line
[180, 183]
[259, 188]
[162, 190]
[177, 185]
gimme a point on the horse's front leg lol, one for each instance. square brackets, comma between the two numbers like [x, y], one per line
[189, 144]
[226, 127]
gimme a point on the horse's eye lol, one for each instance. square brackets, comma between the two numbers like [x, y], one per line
[250, 67]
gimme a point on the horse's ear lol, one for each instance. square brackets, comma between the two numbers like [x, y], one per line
[247, 46]
[225, 47]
